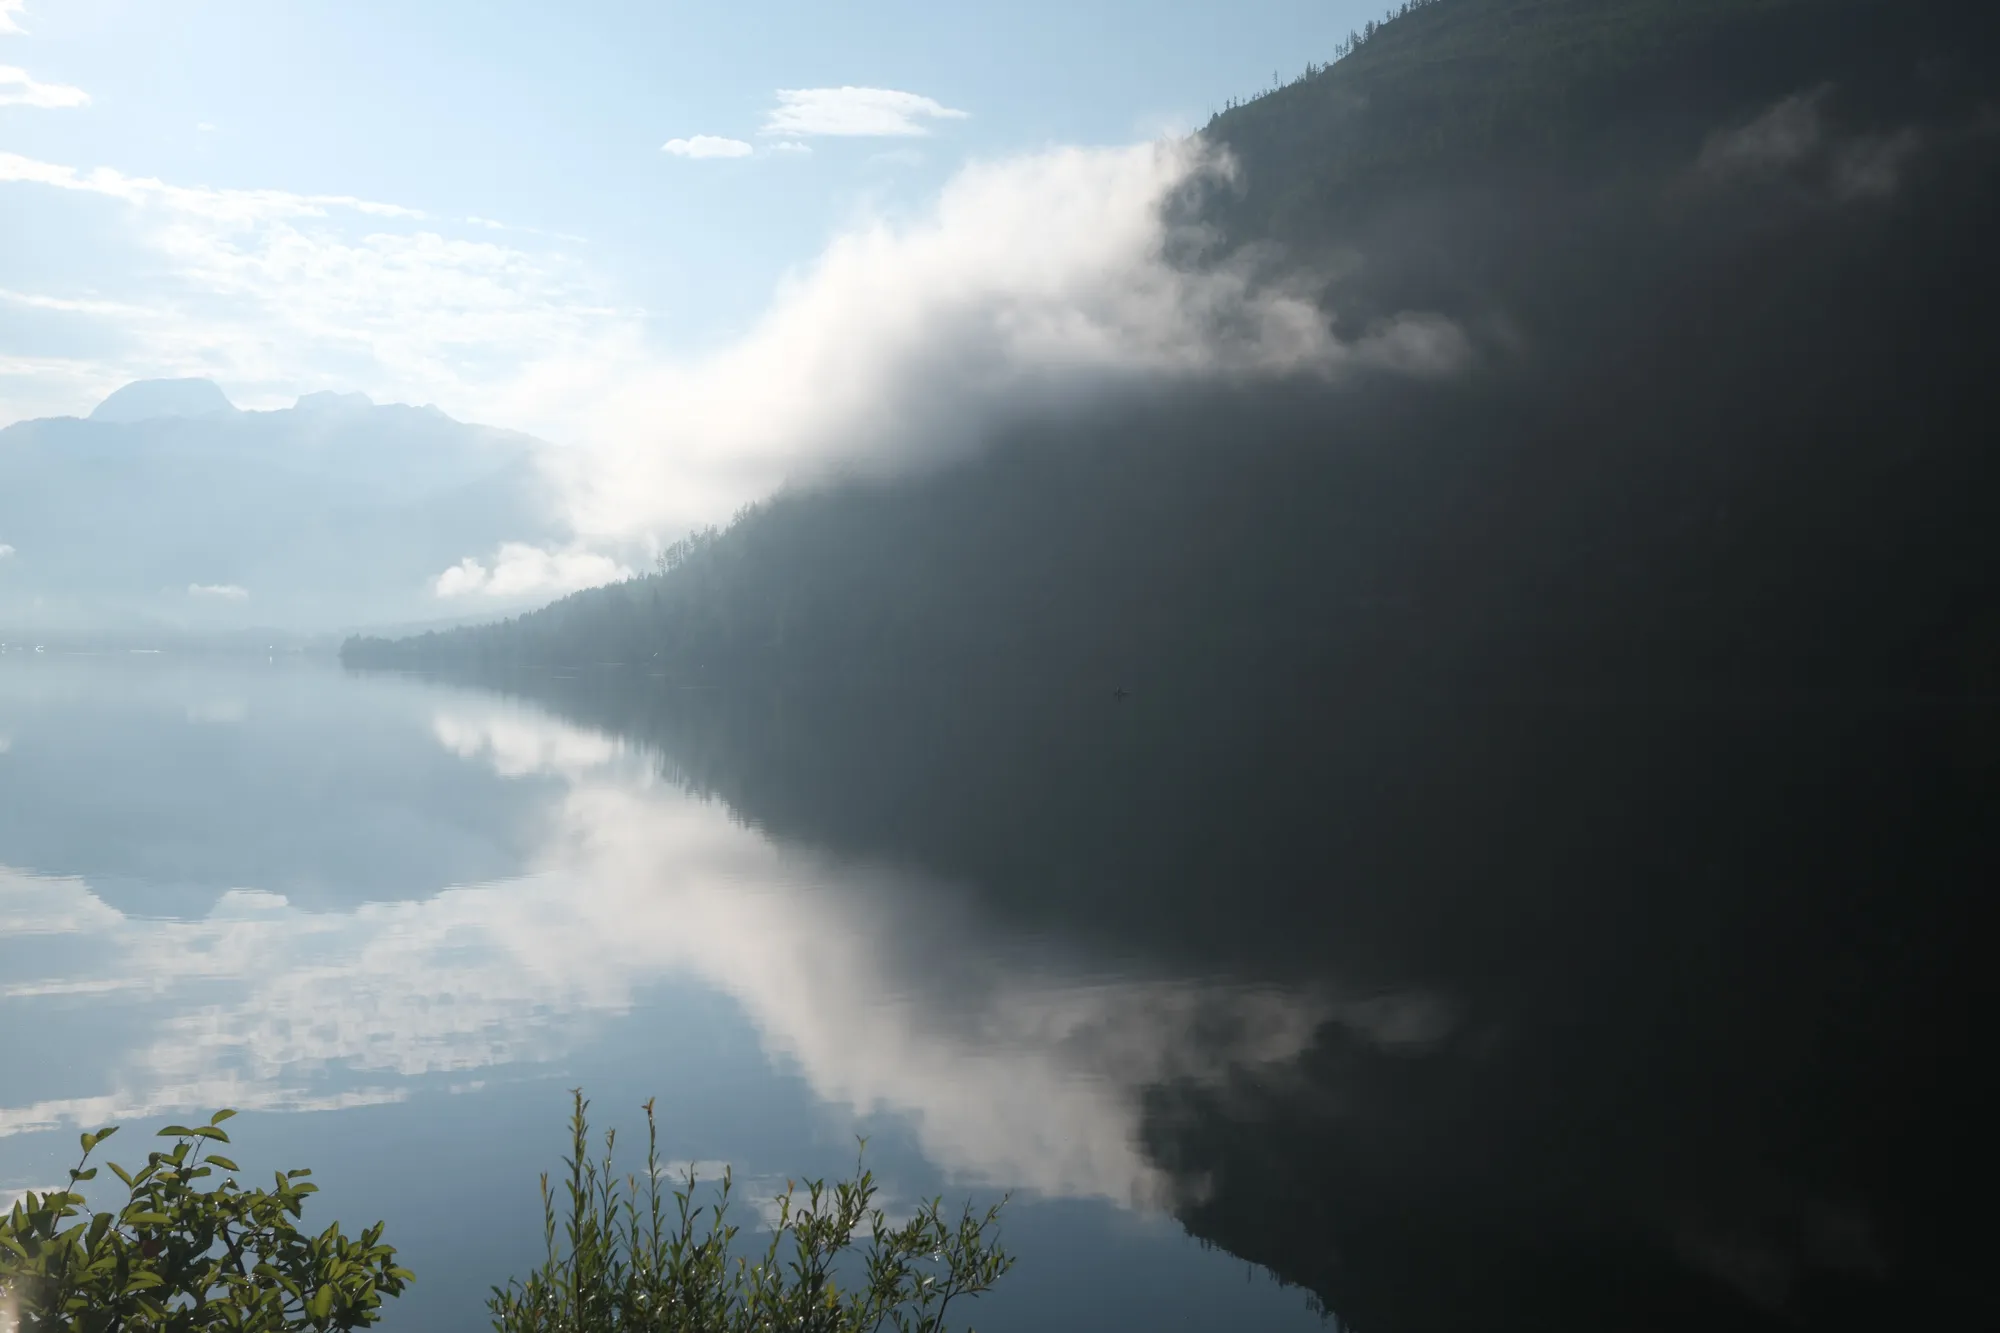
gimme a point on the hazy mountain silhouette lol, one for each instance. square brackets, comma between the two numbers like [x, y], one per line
[143, 400]
[168, 510]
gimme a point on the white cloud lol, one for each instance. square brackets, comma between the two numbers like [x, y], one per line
[519, 745]
[1029, 279]
[10, 1197]
[226, 592]
[493, 224]
[1792, 134]
[204, 127]
[707, 145]
[55, 906]
[72, 305]
[235, 1092]
[242, 207]
[267, 288]
[806, 112]
[5, 550]
[521, 570]
[19, 88]
[898, 157]
[790, 146]
[40, 386]
[8, 22]
[1783, 135]
[1873, 167]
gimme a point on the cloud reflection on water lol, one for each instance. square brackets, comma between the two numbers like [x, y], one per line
[1015, 1067]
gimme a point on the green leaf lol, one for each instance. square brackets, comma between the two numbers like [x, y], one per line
[217, 1159]
[221, 1116]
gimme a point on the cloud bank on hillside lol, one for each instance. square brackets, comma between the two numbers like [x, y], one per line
[520, 569]
[1028, 282]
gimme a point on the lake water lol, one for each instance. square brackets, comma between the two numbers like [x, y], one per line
[393, 922]
[1559, 1009]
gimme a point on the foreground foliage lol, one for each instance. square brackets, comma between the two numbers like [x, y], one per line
[180, 1257]
[636, 1257]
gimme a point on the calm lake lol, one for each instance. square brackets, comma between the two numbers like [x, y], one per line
[1559, 1007]
[394, 922]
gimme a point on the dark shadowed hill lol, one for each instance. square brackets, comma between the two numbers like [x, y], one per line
[1723, 423]
[1632, 690]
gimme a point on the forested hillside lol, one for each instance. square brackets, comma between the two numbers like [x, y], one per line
[1632, 687]
[1724, 268]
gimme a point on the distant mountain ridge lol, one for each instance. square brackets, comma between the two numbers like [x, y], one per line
[170, 511]
[146, 400]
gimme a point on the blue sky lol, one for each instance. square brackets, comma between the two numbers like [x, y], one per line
[547, 118]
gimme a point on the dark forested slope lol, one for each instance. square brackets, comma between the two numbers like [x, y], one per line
[1633, 688]
[1726, 270]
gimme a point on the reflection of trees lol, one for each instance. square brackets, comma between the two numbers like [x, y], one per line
[1014, 1064]
[1707, 987]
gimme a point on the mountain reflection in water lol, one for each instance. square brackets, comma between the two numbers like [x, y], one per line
[1562, 1013]
[1013, 1060]
[1675, 1001]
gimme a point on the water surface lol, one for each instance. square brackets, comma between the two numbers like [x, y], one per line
[1640, 1012]
[394, 921]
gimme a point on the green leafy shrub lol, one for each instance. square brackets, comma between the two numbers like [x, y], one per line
[178, 1257]
[634, 1259]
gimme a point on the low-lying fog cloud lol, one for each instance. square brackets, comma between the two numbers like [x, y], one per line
[1031, 281]
[1028, 282]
